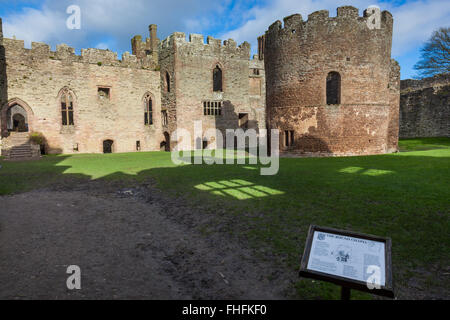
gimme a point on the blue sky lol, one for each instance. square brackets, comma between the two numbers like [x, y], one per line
[112, 23]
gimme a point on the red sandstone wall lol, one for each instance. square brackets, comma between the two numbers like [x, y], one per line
[298, 58]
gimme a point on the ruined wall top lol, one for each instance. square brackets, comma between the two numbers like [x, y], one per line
[435, 81]
[196, 44]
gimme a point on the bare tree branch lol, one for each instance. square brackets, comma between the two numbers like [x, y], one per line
[435, 54]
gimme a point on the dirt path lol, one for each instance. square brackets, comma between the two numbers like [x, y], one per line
[127, 246]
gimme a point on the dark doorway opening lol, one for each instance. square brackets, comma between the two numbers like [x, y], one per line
[19, 123]
[205, 144]
[167, 141]
[108, 146]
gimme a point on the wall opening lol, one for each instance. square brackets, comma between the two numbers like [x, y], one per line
[212, 108]
[148, 112]
[167, 82]
[108, 146]
[19, 124]
[67, 109]
[289, 138]
[104, 93]
[243, 121]
[217, 79]
[167, 141]
[333, 88]
[17, 119]
[164, 118]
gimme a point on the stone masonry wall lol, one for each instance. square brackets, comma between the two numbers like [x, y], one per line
[425, 107]
[192, 63]
[299, 56]
[3, 77]
[36, 76]
[167, 60]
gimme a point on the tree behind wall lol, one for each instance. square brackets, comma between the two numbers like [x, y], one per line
[435, 54]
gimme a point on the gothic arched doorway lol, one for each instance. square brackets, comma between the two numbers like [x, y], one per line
[17, 119]
[16, 116]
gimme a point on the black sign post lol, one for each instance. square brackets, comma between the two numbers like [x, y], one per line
[347, 259]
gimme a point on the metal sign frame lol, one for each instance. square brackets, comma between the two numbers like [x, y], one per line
[386, 291]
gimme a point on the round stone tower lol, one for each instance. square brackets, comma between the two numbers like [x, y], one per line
[332, 87]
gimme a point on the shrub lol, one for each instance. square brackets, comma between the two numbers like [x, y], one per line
[37, 138]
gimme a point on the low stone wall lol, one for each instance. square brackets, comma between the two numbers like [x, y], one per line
[425, 107]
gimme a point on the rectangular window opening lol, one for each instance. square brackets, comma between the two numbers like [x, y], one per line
[104, 93]
[212, 108]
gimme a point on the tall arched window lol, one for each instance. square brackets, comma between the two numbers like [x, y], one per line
[167, 81]
[148, 110]
[217, 79]
[67, 108]
[333, 88]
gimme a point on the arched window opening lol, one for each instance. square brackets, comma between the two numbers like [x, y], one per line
[67, 108]
[217, 79]
[333, 88]
[148, 112]
[167, 82]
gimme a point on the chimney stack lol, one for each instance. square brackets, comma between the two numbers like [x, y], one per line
[1, 32]
[261, 47]
[154, 41]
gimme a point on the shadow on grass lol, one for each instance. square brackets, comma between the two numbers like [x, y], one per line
[402, 196]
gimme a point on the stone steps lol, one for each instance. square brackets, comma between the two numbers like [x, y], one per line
[20, 152]
[20, 147]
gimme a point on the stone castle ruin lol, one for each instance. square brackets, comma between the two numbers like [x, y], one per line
[332, 89]
[425, 107]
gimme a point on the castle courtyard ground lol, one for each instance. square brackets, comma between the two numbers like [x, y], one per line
[140, 227]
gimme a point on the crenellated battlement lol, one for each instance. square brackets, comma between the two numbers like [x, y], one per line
[39, 52]
[319, 20]
[196, 42]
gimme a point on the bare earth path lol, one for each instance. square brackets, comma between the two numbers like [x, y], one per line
[127, 248]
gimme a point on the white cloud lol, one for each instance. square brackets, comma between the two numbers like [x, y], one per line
[33, 25]
[414, 21]
[102, 46]
[112, 23]
[116, 19]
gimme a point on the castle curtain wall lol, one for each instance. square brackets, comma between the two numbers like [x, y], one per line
[37, 76]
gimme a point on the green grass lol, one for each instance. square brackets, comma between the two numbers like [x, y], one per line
[422, 144]
[404, 196]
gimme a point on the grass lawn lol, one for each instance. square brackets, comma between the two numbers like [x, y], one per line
[404, 196]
